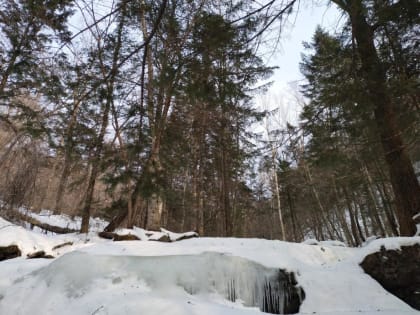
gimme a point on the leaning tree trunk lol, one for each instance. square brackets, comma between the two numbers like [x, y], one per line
[96, 159]
[68, 148]
[403, 179]
[89, 198]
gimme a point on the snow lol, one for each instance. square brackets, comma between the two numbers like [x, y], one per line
[416, 218]
[97, 276]
[65, 221]
[29, 241]
[178, 236]
[98, 224]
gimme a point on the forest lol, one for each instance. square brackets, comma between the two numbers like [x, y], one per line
[143, 113]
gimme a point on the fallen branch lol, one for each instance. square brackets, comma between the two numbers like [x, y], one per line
[62, 245]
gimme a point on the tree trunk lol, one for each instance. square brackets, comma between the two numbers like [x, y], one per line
[183, 203]
[95, 164]
[324, 216]
[89, 198]
[359, 228]
[388, 209]
[109, 79]
[359, 210]
[353, 218]
[116, 221]
[130, 212]
[68, 148]
[292, 214]
[225, 187]
[340, 215]
[154, 212]
[403, 179]
[387, 199]
[200, 211]
[62, 184]
[279, 210]
[155, 200]
[375, 210]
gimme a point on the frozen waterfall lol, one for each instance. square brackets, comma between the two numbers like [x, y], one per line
[234, 278]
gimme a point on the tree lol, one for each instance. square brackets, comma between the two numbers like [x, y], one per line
[26, 28]
[340, 137]
[197, 67]
[225, 70]
[366, 18]
[404, 182]
[108, 53]
[29, 76]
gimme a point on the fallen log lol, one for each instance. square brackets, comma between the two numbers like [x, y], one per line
[9, 252]
[45, 226]
[107, 235]
[39, 254]
[62, 245]
[117, 237]
[125, 237]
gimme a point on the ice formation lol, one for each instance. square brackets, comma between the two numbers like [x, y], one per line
[234, 278]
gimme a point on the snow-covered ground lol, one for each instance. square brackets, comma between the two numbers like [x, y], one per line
[98, 276]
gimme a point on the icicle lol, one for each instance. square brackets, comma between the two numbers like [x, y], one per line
[235, 278]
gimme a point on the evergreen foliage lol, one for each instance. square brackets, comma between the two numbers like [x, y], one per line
[146, 115]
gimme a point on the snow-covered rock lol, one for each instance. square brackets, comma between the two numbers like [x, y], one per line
[398, 271]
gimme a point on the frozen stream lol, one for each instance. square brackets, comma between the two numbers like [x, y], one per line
[234, 278]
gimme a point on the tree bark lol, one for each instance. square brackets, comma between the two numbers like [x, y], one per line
[154, 212]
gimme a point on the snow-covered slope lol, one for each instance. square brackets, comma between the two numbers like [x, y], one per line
[96, 276]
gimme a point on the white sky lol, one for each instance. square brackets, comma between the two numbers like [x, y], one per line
[301, 28]
[305, 22]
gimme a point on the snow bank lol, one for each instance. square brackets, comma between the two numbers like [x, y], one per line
[30, 241]
[148, 278]
[27, 241]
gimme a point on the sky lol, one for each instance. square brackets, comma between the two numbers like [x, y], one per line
[301, 27]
